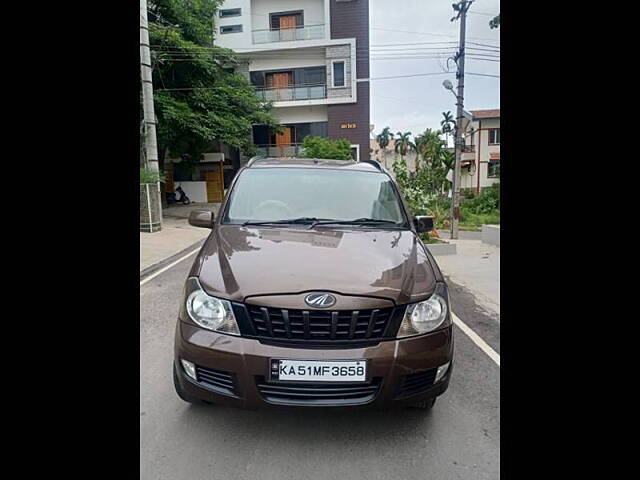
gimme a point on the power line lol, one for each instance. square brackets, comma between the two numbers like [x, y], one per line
[370, 79]
[415, 43]
[484, 13]
[483, 75]
[426, 33]
[484, 44]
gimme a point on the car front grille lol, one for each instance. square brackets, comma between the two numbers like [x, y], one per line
[217, 380]
[416, 383]
[320, 326]
[317, 394]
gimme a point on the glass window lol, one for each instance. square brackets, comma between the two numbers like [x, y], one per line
[231, 29]
[494, 136]
[230, 12]
[338, 74]
[494, 169]
[311, 75]
[286, 193]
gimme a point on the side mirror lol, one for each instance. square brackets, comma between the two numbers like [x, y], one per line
[201, 218]
[423, 223]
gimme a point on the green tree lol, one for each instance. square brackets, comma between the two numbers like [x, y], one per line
[320, 147]
[437, 160]
[404, 145]
[384, 137]
[447, 124]
[198, 96]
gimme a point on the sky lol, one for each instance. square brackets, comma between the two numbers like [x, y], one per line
[415, 103]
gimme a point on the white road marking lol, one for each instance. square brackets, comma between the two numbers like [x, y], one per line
[162, 270]
[484, 346]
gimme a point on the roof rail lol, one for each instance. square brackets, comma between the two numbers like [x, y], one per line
[374, 163]
[252, 160]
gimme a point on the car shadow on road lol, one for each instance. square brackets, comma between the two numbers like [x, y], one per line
[312, 426]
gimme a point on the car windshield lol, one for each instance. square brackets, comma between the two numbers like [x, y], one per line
[305, 195]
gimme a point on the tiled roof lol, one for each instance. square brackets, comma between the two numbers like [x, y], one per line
[495, 113]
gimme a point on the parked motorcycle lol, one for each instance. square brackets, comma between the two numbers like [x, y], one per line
[181, 198]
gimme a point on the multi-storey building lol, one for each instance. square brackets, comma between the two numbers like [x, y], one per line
[311, 58]
[480, 159]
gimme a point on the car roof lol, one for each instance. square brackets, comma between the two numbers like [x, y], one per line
[273, 162]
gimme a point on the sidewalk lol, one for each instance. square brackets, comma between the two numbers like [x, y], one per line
[175, 236]
[476, 267]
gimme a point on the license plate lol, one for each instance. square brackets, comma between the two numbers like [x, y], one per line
[319, 370]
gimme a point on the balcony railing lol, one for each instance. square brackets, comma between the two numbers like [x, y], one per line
[288, 150]
[305, 32]
[468, 148]
[294, 92]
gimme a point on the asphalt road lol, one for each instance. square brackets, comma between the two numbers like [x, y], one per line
[458, 439]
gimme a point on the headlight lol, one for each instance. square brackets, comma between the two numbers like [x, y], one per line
[424, 317]
[208, 312]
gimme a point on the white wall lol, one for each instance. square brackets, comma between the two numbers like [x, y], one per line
[481, 143]
[235, 40]
[316, 113]
[313, 11]
[196, 191]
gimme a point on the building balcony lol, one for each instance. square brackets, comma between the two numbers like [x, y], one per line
[303, 32]
[282, 150]
[468, 149]
[294, 92]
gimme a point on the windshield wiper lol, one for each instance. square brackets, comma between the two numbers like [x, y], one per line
[289, 221]
[356, 221]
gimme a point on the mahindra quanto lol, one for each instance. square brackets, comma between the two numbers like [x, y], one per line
[313, 289]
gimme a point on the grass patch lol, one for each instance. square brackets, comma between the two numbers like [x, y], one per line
[426, 238]
[474, 221]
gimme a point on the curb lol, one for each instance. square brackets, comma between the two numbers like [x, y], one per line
[442, 248]
[491, 234]
[158, 265]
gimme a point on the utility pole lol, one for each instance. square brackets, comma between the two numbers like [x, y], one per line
[151, 145]
[460, 7]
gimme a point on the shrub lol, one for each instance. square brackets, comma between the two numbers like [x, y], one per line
[320, 147]
[150, 176]
[488, 201]
[413, 192]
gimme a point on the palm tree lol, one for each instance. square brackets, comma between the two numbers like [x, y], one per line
[404, 145]
[446, 123]
[448, 163]
[429, 145]
[383, 140]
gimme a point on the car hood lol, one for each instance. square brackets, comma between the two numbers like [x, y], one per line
[239, 262]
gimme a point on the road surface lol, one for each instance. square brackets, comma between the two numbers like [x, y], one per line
[458, 439]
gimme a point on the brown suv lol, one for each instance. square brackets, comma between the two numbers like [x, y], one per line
[313, 289]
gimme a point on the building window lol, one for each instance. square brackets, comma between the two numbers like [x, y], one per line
[494, 169]
[231, 29]
[230, 12]
[337, 68]
[494, 137]
[355, 152]
[286, 20]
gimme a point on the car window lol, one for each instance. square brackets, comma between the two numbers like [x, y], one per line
[286, 193]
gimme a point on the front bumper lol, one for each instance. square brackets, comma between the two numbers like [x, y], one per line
[247, 361]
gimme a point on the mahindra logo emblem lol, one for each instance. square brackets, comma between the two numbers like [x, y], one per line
[320, 300]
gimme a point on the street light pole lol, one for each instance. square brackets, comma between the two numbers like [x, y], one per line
[151, 146]
[461, 8]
